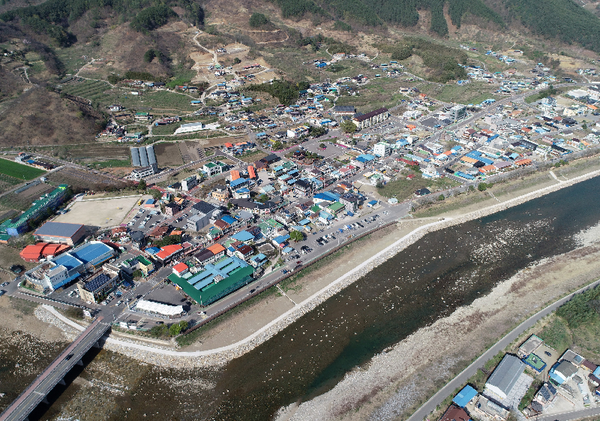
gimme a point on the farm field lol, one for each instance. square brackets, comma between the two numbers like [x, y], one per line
[472, 93]
[19, 171]
[158, 101]
[94, 90]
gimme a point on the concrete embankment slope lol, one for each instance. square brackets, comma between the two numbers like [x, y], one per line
[220, 356]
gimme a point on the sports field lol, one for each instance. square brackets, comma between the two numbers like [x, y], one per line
[101, 213]
[19, 171]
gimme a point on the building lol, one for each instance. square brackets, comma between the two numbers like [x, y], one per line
[382, 149]
[171, 209]
[137, 263]
[221, 193]
[189, 183]
[211, 169]
[143, 172]
[69, 266]
[457, 112]
[484, 408]
[562, 371]
[189, 128]
[344, 110]
[465, 396]
[529, 346]
[504, 378]
[374, 117]
[216, 280]
[350, 201]
[168, 253]
[36, 252]
[454, 413]
[203, 207]
[168, 310]
[197, 222]
[60, 233]
[98, 287]
[37, 210]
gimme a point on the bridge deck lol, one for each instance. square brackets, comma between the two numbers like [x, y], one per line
[31, 397]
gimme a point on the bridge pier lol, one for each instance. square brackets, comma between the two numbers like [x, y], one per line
[62, 382]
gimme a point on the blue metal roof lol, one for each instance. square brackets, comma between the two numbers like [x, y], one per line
[237, 182]
[464, 396]
[68, 261]
[229, 219]
[242, 236]
[91, 252]
[281, 239]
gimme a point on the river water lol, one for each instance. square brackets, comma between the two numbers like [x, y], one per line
[428, 280]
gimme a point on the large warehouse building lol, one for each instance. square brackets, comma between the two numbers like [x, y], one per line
[60, 233]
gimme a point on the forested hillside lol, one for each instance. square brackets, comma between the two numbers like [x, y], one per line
[378, 12]
[561, 19]
[54, 17]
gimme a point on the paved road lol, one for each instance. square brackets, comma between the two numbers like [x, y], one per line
[570, 416]
[471, 370]
[36, 392]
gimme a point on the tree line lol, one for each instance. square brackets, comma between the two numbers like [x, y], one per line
[285, 91]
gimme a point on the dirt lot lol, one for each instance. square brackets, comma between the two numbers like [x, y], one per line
[81, 180]
[99, 212]
[168, 154]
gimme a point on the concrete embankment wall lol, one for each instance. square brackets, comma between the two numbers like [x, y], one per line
[172, 358]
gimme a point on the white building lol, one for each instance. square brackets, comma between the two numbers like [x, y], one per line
[382, 149]
[189, 128]
[457, 112]
[189, 183]
[139, 173]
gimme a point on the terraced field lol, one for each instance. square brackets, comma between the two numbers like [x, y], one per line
[94, 90]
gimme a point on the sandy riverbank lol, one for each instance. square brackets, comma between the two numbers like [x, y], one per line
[401, 377]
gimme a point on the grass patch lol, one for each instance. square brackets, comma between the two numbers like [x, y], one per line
[23, 306]
[472, 93]
[526, 401]
[252, 156]
[556, 335]
[19, 171]
[112, 163]
[404, 188]
[167, 129]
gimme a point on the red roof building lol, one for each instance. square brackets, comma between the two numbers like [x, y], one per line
[180, 269]
[33, 253]
[454, 413]
[167, 253]
[251, 172]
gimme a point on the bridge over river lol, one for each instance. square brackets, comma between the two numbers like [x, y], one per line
[54, 374]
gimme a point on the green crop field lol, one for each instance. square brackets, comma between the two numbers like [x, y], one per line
[19, 171]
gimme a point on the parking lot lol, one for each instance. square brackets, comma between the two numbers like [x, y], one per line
[145, 220]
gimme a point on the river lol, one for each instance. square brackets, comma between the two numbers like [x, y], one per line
[426, 281]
